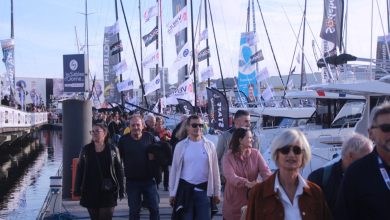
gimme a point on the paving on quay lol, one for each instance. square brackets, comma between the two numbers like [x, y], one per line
[122, 210]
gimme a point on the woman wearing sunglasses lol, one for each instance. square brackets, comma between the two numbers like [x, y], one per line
[242, 164]
[286, 194]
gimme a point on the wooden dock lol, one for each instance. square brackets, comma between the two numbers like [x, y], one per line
[122, 210]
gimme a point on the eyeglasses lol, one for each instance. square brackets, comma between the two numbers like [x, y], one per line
[95, 131]
[197, 125]
[383, 127]
[286, 149]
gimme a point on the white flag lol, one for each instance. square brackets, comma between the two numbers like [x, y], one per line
[185, 91]
[151, 59]
[203, 35]
[183, 57]
[150, 13]
[179, 22]
[262, 75]
[290, 84]
[268, 93]
[112, 30]
[120, 67]
[125, 85]
[153, 85]
[298, 58]
[207, 73]
[155, 108]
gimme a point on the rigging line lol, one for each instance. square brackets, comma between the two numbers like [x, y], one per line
[318, 47]
[269, 41]
[227, 36]
[140, 38]
[135, 58]
[303, 71]
[371, 35]
[293, 57]
[383, 29]
[216, 46]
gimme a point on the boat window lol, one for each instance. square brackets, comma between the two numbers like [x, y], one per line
[349, 114]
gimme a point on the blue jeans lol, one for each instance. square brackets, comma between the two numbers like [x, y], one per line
[148, 190]
[199, 207]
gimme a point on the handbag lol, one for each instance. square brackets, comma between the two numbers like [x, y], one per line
[107, 183]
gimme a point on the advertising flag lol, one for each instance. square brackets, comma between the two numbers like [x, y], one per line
[151, 59]
[185, 90]
[179, 22]
[217, 109]
[331, 30]
[262, 75]
[8, 47]
[382, 56]
[183, 58]
[246, 70]
[207, 73]
[268, 93]
[153, 85]
[111, 93]
[120, 67]
[185, 107]
[151, 12]
[112, 30]
[116, 47]
[150, 37]
[204, 54]
[74, 72]
[258, 56]
[125, 85]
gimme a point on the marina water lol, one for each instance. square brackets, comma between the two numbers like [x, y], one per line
[28, 193]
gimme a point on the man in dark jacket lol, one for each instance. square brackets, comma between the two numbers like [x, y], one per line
[138, 163]
[329, 177]
[365, 189]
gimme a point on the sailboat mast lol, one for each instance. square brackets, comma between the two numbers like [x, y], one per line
[140, 36]
[119, 54]
[162, 47]
[303, 73]
[135, 58]
[388, 16]
[87, 45]
[207, 40]
[216, 47]
[12, 19]
[193, 53]
[157, 67]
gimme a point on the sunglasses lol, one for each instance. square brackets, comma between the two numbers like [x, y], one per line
[197, 125]
[383, 127]
[286, 149]
[95, 131]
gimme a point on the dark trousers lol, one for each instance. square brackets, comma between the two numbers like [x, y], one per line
[165, 170]
[148, 190]
[199, 207]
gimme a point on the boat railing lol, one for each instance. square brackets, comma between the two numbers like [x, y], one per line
[49, 197]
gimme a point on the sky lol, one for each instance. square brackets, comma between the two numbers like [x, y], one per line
[45, 30]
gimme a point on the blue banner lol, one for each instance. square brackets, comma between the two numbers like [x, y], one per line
[8, 58]
[246, 70]
[74, 72]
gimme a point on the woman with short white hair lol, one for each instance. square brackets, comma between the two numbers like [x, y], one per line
[286, 194]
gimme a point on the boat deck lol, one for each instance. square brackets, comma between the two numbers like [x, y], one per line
[122, 210]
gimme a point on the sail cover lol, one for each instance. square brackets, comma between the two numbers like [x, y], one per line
[246, 70]
[331, 30]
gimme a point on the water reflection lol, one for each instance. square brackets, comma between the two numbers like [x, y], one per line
[28, 193]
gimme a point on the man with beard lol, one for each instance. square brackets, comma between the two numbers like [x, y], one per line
[365, 190]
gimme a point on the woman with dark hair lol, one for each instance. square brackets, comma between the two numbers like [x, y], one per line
[99, 175]
[242, 165]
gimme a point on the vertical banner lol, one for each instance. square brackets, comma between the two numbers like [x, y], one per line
[185, 107]
[331, 30]
[8, 47]
[180, 37]
[217, 109]
[241, 98]
[110, 59]
[246, 70]
[75, 70]
[382, 56]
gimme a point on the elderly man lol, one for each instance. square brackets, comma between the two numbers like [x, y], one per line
[150, 122]
[329, 177]
[365, 190]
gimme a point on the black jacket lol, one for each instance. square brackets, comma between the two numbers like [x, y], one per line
[116, 170]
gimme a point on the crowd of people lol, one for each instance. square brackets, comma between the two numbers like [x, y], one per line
[128, 156]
